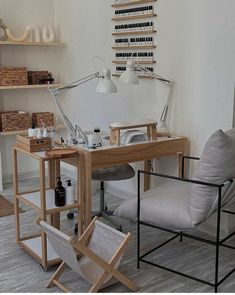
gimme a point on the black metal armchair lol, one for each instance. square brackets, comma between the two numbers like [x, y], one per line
[179, 207]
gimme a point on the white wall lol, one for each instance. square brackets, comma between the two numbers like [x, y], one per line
[203, 61]
[195, 47]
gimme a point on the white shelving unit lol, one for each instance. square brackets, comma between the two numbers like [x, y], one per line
[40, 87]
[33, 200]
[34, 247]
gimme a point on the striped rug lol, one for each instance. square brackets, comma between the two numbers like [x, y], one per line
[6, 207]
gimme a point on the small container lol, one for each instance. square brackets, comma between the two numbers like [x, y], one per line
[39, 134]
[45, 133]
[70, 193]
[98, 135]
[60, 194]
[52, 136]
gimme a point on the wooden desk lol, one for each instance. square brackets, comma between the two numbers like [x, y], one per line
[106, 156]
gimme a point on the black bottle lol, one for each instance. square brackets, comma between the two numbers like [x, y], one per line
[60, 194]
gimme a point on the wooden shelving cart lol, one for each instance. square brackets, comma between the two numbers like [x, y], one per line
[42, 200]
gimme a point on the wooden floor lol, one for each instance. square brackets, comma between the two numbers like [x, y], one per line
[20, 273]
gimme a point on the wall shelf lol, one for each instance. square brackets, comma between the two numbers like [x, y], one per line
[24, 132]
[130, 17]
[144, 62]
[40, 86]
[134, 33]
[134, 47]
[130, 3]
[130, 39]
[30, 43]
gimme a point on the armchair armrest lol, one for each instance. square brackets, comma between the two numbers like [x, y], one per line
[184, 179]
[190, 158]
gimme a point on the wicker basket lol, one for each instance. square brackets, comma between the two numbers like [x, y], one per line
[14, 121]
[43, 117]
[35, 76]
[10, 76]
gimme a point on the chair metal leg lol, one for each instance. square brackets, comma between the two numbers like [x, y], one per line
[138, 221]
[102, 200]
[181, 237]
[217, 241]
[103, 212]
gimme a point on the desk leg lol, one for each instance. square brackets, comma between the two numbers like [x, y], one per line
[43, 210]
[55, 172]
[147, 167]
[180, 157]
[80, 196]
[16, 192]
[87, 194]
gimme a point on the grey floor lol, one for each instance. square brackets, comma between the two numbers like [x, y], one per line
[20, 273]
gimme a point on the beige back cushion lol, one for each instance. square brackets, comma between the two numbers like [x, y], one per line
[216, 165]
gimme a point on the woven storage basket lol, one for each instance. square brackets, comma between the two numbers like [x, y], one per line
[14, 121]
[10, 76]
[45, 117]
[35, 76]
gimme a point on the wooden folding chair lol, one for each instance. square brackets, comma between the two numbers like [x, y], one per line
[95, 256]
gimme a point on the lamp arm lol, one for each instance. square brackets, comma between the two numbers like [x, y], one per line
[169, 83]
[76, 83]
[55, 92]
[69, 126]
[165, 110]
[154, 75]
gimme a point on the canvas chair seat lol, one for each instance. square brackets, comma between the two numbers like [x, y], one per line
[99, 258]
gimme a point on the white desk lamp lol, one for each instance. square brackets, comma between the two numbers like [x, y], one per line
[105, 85]
[130, 77]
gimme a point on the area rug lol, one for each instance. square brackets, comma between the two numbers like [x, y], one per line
[6, 207]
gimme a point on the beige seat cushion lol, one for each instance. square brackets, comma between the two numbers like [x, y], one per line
[166, 205]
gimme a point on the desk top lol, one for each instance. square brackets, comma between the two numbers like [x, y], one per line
[110, 155]
[106, 145]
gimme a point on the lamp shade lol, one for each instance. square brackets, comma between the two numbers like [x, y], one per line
[105, 84]
[129, 76]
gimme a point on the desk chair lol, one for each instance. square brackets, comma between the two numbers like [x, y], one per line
[114, 173]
